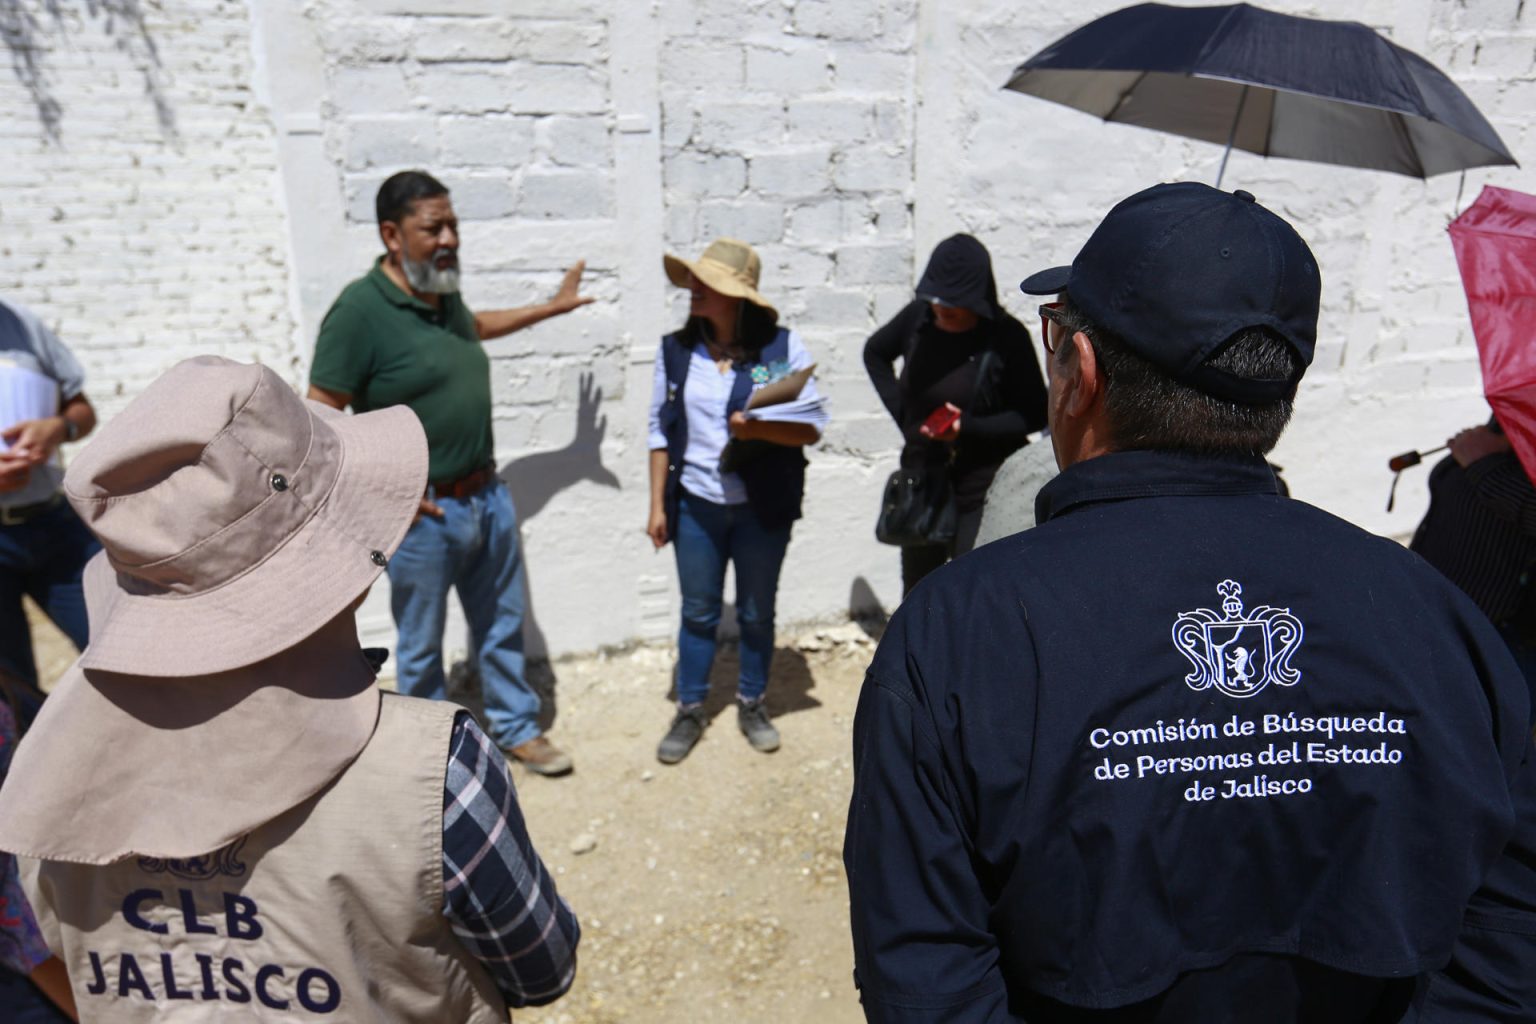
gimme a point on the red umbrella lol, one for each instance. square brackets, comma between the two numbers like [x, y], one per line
[1495, 243]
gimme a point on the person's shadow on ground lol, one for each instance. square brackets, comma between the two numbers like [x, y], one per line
[532, 481]
[789, 680]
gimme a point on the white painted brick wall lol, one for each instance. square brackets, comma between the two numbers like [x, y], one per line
[830, 19]
[707, 174]
[575, 141]
[844, 139]
[793, 174]
[490, 140]
[139, 242]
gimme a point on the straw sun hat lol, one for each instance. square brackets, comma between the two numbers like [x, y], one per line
[727, 266]
[223, 683]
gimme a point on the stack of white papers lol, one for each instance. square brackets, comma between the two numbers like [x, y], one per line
[799, 410]
[780, 402]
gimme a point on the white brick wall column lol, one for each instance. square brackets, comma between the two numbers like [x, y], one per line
[288, 76]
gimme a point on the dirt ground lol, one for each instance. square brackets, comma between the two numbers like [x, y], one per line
[712, 890]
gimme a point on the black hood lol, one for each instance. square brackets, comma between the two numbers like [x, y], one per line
[959, 273]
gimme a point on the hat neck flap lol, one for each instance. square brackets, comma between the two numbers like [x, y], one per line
[117, 765]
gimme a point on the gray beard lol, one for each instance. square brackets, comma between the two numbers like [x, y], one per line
[423, 275]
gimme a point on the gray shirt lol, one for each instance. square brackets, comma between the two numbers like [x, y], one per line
[1010, 504]
[27, 344]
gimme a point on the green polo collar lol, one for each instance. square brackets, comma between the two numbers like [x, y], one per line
[394, 295]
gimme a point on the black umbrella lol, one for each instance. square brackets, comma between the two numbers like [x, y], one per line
[1274, 84]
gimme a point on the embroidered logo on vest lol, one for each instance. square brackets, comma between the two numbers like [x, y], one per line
[1237, 652]
[767, 373]
[199, 869]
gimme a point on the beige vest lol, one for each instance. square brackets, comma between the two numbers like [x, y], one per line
[332, 911]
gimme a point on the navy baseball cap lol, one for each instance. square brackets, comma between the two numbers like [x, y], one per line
[1176, 270]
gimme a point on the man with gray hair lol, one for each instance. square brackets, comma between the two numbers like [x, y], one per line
[402, 335]
[1189, 750]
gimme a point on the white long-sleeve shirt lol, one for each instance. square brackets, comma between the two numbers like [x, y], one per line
[706, 394]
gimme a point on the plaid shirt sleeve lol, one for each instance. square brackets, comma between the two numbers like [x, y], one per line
[497, 894]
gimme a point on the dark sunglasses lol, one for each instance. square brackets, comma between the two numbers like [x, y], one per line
[1053, 313]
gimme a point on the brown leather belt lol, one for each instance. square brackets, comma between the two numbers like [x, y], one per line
[466, 486]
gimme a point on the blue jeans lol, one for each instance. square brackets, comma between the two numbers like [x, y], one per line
[707, 536]
[42, 558]
[474, 549]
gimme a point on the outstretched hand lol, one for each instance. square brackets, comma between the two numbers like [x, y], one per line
[569, 297]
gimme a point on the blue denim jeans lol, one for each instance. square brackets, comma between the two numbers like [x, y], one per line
[709, 535]
[42, 558]
[473, 549]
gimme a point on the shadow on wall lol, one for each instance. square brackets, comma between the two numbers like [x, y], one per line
[532, 481]
[29, 27]
[865, 609]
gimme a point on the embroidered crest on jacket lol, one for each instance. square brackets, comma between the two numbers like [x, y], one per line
[1238, 652]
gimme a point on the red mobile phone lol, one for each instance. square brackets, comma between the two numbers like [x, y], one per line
[940, 420]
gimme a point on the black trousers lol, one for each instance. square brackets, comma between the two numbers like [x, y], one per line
[917, 562]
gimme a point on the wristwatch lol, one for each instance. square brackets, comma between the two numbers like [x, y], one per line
[71, 429]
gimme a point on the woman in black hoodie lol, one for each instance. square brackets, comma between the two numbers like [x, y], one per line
[941, 337]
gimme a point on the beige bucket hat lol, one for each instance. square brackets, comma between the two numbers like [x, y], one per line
[223, 684]
[728, 266]
[239, 518]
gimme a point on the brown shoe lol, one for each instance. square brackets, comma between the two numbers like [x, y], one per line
[541, 757]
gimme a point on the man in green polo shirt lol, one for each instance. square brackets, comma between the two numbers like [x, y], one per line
[402, 335]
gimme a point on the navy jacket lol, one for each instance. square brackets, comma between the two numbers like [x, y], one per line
[773, 474]
[1191, 751]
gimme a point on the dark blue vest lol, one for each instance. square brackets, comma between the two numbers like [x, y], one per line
[773, 474]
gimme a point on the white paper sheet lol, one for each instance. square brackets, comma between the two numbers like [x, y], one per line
[799, 410]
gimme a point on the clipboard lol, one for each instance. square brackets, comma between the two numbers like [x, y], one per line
[785, 389]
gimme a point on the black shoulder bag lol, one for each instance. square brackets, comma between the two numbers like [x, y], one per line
[918, 507]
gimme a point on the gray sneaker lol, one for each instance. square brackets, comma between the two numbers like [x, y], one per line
[752, 717]
[683, 733]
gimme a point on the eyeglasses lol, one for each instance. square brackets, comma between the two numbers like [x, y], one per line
[1053, 313]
